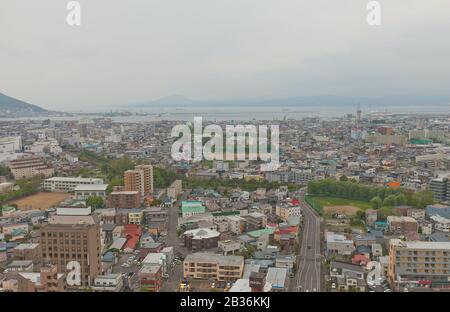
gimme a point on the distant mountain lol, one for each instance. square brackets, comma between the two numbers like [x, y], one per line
[326, 101]
[11, 107]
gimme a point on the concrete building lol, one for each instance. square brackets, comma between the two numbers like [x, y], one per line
[255, 221]
[28, 166]
[192, 208]
[236, 224]
[69, 184]
[440, 223]
[210, 266]
[108, 283]
[29, 251]
[339, 244]
[150, 277]
[287, 211]
[436, 209]
[414, 261]
[402, 224]
[277, 277]
[73, 238]
[83, 192]
[9, 145]
[230, 246]
[439, 188]
[46, 280]
[201, 239]
[140, 179]
[124, 200]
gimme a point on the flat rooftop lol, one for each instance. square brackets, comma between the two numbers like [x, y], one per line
[91, 187]
[207, 257]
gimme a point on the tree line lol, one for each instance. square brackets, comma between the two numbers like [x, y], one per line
[377, 196]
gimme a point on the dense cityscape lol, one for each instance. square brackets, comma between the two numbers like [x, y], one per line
[360, 203]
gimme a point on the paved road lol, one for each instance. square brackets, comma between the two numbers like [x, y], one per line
[176, 272]
[308, 276]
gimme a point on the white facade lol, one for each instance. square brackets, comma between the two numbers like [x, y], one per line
[84, 191]
[10, 145]
[63, 184]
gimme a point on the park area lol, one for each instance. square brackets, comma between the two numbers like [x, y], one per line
[348, 207]
[344, 206]
[40, 201]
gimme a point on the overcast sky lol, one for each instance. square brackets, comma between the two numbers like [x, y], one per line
[137, 50]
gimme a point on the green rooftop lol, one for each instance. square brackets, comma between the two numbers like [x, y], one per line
[192, 206]
[261, 232]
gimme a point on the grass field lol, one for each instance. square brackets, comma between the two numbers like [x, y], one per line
[334, 201]
[347, 206]
[41, 201]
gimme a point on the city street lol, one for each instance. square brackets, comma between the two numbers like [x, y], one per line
[176, 272]
[308, 275]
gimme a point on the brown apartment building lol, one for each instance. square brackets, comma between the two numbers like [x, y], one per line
[124, 200]
[73, 238]
[211, 266]
[47, 280]
[29, 166]
[140, 179]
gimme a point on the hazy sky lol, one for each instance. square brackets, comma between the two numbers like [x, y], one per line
[137, 50]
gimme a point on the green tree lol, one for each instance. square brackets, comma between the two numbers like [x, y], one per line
[389, 201]
[343, 178]
[376, 202]
[96, 202]
[400, 199]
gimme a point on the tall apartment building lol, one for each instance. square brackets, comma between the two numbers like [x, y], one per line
[210, 266]
[414, 261]
[29, 166]
[69, 238]
[68, 184]
[140, 179]
[124, 200]
[440, 188]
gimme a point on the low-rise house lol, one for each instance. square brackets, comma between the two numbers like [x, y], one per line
[347, 276]
[339, 244]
